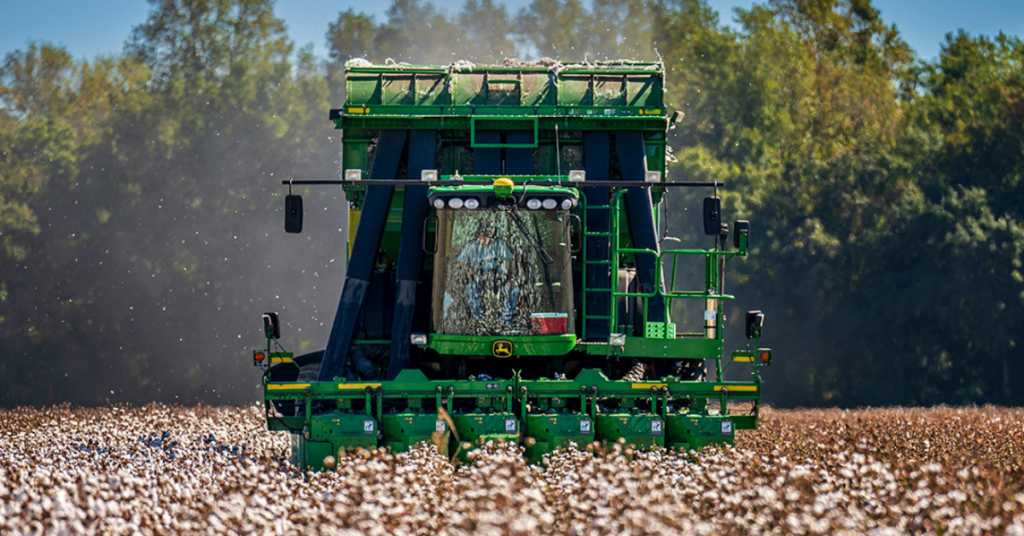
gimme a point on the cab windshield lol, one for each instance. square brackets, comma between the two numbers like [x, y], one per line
[500, 271]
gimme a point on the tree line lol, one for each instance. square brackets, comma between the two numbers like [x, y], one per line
[140, 192]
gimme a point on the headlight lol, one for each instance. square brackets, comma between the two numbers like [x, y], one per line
[418, 339]
[577, 175]
[455, 203]
[550, 204]
[652, 176]
[566, 204]
[428, 175]
[439, 203]
[533, 204]
[617, 339]
[353, 174]
[472, 203]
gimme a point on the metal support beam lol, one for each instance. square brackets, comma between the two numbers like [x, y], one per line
[387, 158]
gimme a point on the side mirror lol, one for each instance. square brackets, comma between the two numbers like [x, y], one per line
[271, 326]
[755, 319]
[712, 216]
[677, 117]
[293, 213]
[741, 227]
[574, 246]
[426, 231]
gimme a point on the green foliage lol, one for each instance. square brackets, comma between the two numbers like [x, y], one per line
[351, 36]
[417, 32]
[139, 177]
[139, 195]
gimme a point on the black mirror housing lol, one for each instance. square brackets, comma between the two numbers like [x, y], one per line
[271, 326]
[293, 213]
[755, 320]
[712, 216]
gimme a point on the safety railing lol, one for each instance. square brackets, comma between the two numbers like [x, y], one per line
[713, 272]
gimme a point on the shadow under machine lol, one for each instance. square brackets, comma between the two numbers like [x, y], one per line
[506, 275]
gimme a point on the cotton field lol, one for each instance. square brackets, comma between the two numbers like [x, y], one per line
[177, 470]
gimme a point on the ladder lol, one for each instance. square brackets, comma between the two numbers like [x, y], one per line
[595, 320]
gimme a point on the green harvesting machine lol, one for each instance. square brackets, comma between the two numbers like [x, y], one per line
[506, 279]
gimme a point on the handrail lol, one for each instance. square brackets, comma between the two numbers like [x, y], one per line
[658, 275]
[710, 271]
[668, 297]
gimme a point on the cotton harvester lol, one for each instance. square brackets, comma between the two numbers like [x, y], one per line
[506, 279]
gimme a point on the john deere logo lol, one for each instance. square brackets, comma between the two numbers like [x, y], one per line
[501, 349]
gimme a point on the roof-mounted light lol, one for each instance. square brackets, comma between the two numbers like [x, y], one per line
[550, 204]
[566, 204]
[472, 203]
[533, 203]
[439, 203]
[455, 203]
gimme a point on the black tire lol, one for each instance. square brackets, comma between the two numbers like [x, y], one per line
[692, 370]
[687, 370]
[305, 367]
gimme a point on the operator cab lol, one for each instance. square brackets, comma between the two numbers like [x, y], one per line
[502, 266]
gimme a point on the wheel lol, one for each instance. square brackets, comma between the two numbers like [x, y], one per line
[692, 370]
[687, 370]
[303, 368]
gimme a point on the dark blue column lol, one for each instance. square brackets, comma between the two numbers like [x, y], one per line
[386, 160]
[640, 211]
[422, 149]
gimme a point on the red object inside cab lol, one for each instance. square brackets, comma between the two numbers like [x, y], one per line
[550, 323]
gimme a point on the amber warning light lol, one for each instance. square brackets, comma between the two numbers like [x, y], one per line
[765, 355]
[258, 355]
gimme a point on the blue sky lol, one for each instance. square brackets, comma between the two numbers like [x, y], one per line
[88, 27]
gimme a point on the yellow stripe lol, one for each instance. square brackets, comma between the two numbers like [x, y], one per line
[281, 360]
[357, 110]
[648, 385]
[283, 386]
[357, 385]
[737, 387]
[353, 224]
[744, 359]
